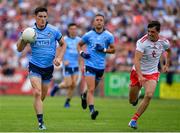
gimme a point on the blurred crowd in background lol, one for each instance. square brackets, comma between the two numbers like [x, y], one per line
[126, 19]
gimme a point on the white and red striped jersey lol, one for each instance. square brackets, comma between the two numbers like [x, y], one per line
[151, 53]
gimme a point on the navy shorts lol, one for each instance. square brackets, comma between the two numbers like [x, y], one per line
[44, 73]
[90, 71]
[68, 71]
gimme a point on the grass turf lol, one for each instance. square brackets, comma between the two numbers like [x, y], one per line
[17, 115]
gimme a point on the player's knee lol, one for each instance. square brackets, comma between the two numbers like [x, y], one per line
[68, 84]
[132, 100]
[149, 95]
[42, 98]
[73, 85]
[91, 91]
[37, 93]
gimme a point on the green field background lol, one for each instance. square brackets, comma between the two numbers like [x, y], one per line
[117, 85]
[17, 115]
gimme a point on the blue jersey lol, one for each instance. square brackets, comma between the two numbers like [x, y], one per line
[92, 38]
[44, 47]
[71, 54]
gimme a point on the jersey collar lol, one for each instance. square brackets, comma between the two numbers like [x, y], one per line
[42, 28]
[98, 32]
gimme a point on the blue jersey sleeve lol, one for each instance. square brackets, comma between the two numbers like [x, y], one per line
[85, 38]
[58, 35]
[111, 40]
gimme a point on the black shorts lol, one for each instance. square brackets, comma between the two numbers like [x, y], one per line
[44, 73]
[71, 71]
[90, 71]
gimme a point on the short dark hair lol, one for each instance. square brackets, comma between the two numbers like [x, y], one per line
[40, 9]
[72, 24]
[99, 15]
[155, 24]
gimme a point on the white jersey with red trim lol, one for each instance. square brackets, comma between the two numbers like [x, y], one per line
[151, 53]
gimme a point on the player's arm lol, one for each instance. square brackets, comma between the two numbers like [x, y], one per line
[60, 52]
[167, 60]
[62, 45]
[80, 50]
[166, 46]
[168, 57]
[79, 46]
[110, 50]
[161, 61]
[21, 44]
[137, 59]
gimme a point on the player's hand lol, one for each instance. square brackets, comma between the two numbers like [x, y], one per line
[57, 61]
[165, 68]
[85, 55]
[142, 80]
[24, 41]
[99, 48]
[66, 63]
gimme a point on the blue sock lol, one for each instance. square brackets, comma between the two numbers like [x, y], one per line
[40, 118]
[91, 108]
[54, 90]
[56, 87]
[68, 100]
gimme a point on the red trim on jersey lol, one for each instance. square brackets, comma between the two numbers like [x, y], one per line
[134, 78]
[145, 37]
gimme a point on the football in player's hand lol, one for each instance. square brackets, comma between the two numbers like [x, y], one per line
[29, 35]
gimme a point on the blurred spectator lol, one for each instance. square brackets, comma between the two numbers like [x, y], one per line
[126, 19]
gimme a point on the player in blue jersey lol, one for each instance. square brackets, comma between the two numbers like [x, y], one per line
[42, 58]
[70, 64]
[98, 42]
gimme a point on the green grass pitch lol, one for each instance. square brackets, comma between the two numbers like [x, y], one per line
[17, 115]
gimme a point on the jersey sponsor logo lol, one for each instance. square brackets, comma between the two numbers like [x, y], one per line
[42, 42]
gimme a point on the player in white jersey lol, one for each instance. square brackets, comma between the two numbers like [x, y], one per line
[145, 70]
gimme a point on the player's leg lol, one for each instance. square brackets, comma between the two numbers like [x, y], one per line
[90, 80]
[88, 72]
[70, 90]
[44, 91]
[134, 88]
[46, 75]
[134, 95]
[92, 77]
[67, 83]
[38, 104]
[64, 84]
[45, 87]
[35, 75]
[84, 94]
[98, 76]
[150, 87]
[84, 90]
